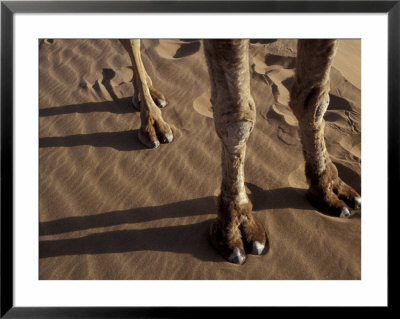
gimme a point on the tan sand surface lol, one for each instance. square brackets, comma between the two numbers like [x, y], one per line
[112, 209]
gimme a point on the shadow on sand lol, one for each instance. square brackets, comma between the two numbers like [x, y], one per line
[190, 239]
[119, 106]
[121, 141]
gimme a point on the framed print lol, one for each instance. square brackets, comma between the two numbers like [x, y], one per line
[114, 205]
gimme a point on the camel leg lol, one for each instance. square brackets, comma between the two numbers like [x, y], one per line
[309, 101]
[235, 230]
[157, 96]
[153, 128]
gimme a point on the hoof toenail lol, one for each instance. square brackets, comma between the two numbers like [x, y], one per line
[160, 103]
[135, 103]
[357, 200]
[257, 248]
[345, 212]
[154, 144]
[236, 257]
[168, 138]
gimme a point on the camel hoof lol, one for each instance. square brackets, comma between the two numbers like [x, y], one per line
[237, 257]
[345, 212]
[357, 201]
[149, 142]
[167, 138]
[155, 132]
[160, 103]
[135, 103]
[257, 248]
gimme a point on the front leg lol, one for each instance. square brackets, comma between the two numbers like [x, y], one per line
[235, 231]
[153, 128]
[309, 101]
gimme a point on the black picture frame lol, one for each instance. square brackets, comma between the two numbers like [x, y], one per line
[9, 8]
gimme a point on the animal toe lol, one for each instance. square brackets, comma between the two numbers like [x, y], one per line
[357, 201]
[257, 248]
[160, 103]
[344, 212]
[148, 140]
[135, 103]
[237, 257]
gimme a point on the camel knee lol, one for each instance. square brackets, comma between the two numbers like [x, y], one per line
[234, 132]
[235, 125]
[321, 108]
[236, 135]
[310, 105]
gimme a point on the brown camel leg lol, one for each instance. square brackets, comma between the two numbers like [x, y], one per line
[235, 230]
[153, 128]
[309, 101]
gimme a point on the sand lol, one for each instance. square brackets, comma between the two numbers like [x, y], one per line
[112, 209]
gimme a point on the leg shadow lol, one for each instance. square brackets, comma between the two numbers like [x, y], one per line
[349, 176]
[188, 48]
[262, 41]
[121, 141]
[186, 239]
[287, 197]
[194, 207]
[119, 106]
[338, 103]
[108, 75]
[183, 239]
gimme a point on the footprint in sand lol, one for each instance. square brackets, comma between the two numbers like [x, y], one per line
[287, 62]
[278, 72]
[297, 178]
[176, 49]
[188, 48]
[45, 42]
[262, 41]
[110, 84]
[202, 104]
[287, 123]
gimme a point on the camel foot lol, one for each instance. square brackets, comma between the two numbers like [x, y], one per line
[227, 242]
[257, 248]
[154, 132]
[136, 103]
[333, 196]
[334, 201]
[157, 96]
[238, 235]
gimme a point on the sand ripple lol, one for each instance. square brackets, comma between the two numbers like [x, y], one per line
[111, 209]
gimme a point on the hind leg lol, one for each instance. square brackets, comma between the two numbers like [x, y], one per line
[235, 231]
[153, 127]
[309, 101]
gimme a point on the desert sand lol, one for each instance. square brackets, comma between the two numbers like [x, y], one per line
[112, 209]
